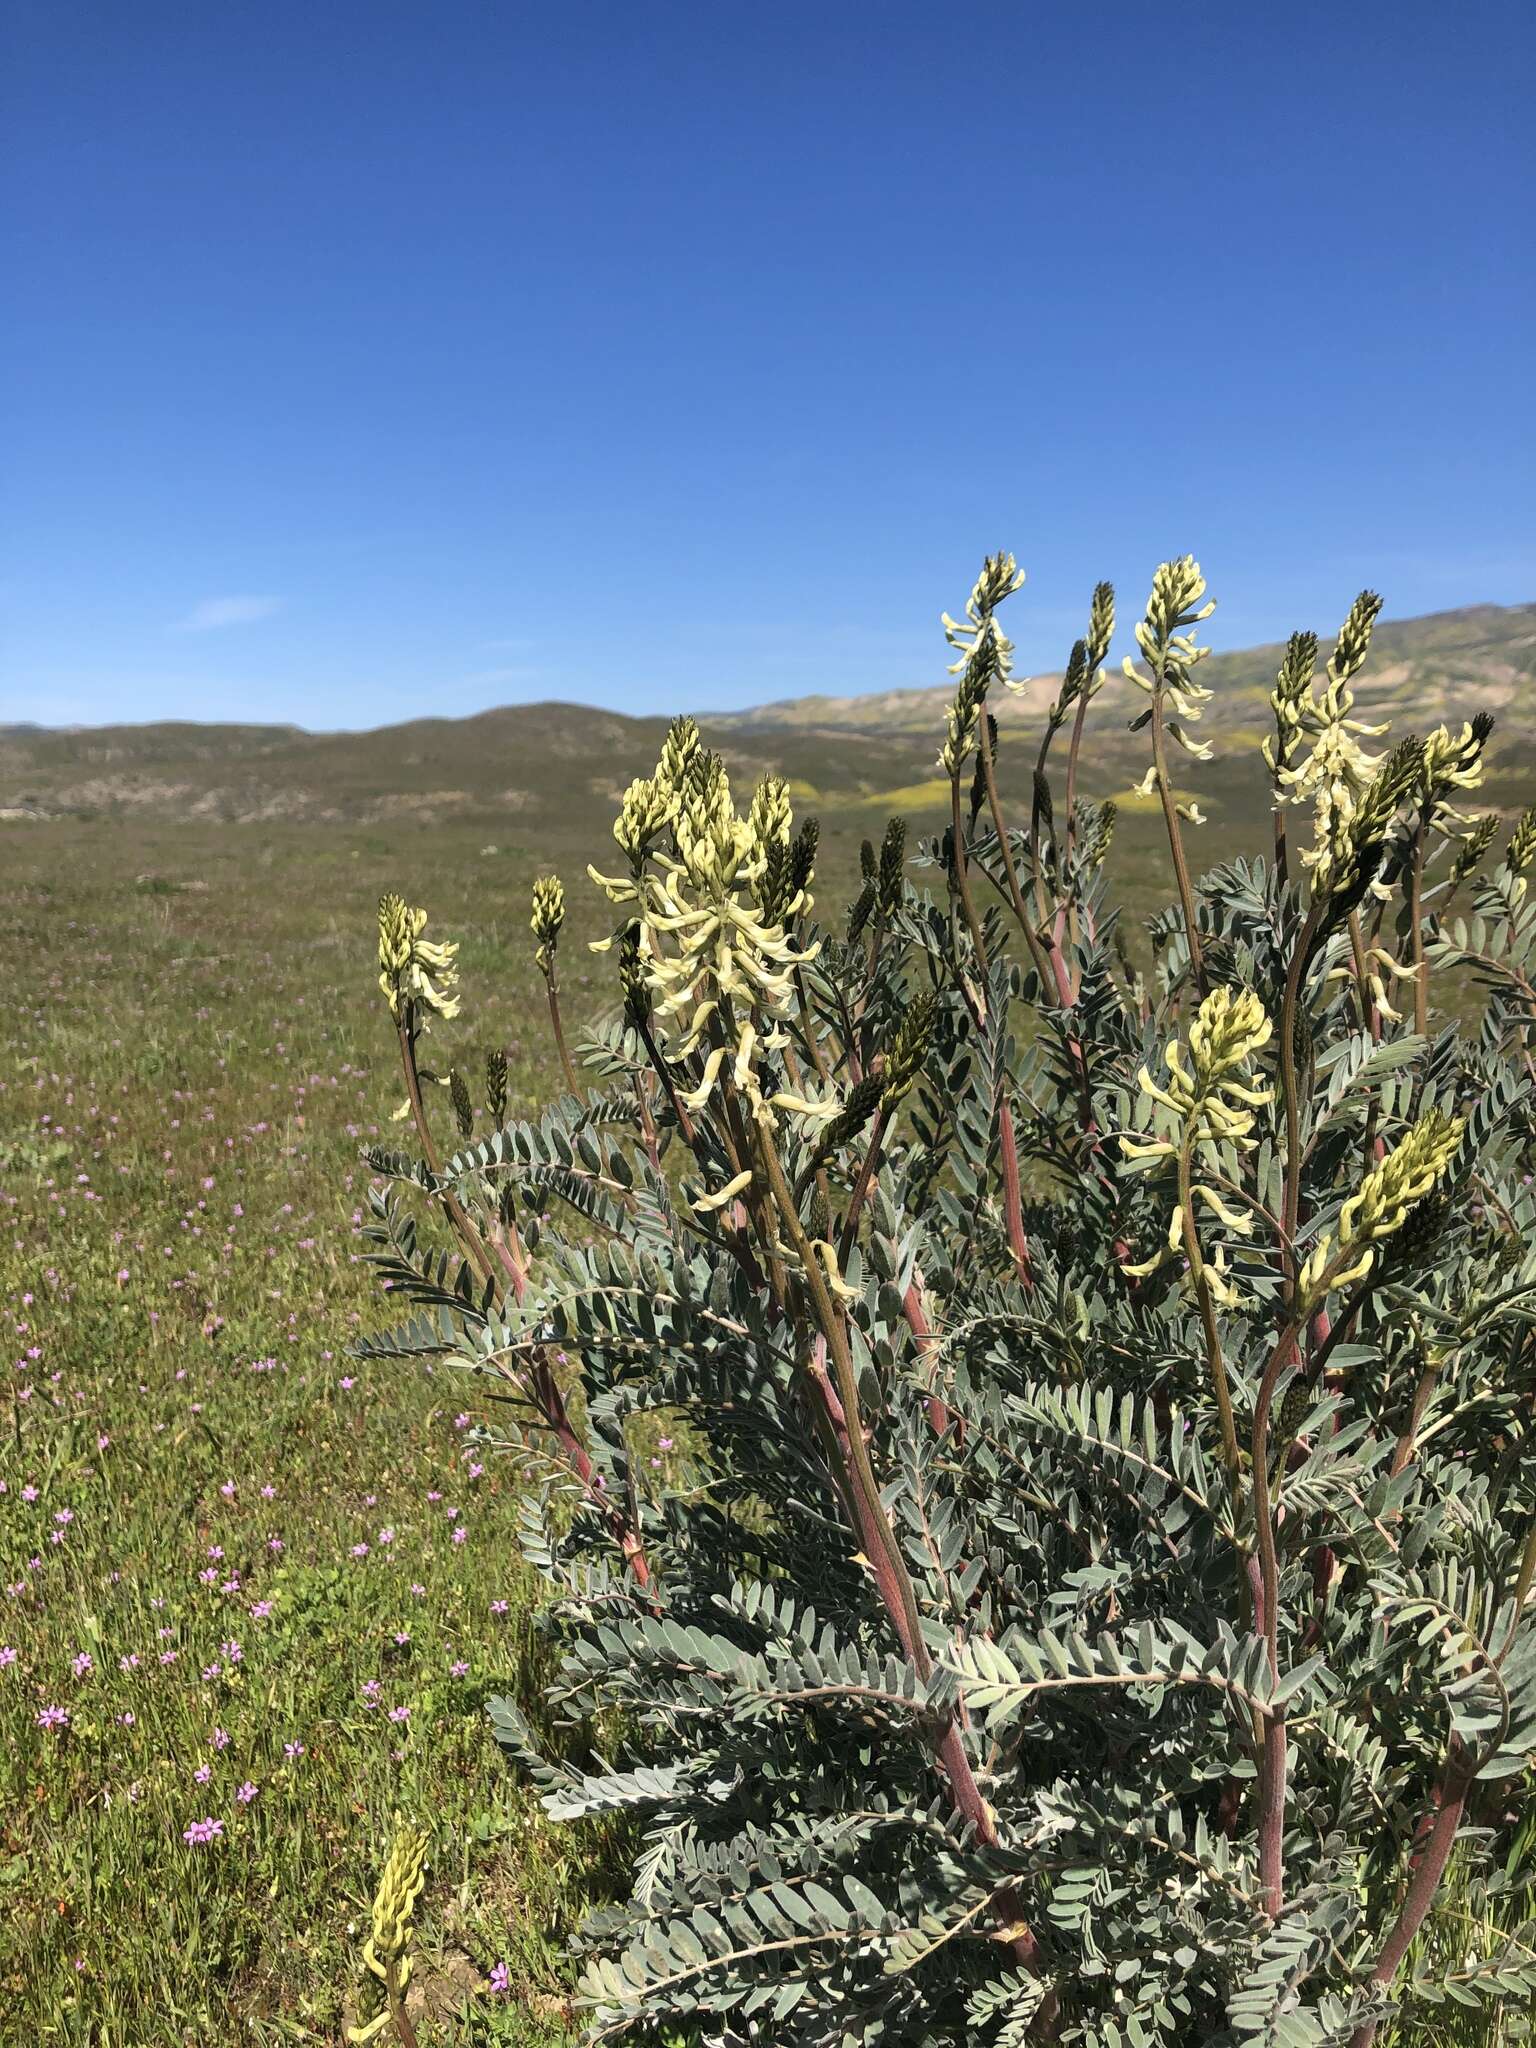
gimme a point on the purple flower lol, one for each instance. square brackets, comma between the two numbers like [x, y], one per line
[246, 1793]
[293, 1751]
[7, 1655]
[501, 1980]
[53, 1717]
[207, 1830]
[82, 1664]
[459, 1669]
[399, 1713]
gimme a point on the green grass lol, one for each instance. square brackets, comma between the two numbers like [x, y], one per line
[194, 1058]
[195, 1052]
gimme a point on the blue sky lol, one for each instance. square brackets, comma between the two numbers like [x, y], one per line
[368, 360]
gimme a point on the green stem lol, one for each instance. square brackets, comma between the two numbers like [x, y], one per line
[961, 878]
[1175, 837]
[1416, 918]
[1203, 1295]
[469, 1237]
[553, 991]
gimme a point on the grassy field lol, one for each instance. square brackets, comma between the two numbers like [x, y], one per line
[246, 1583]
[255, 1595]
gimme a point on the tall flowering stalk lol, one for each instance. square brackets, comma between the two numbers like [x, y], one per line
[1168, 645]
[386, 1956]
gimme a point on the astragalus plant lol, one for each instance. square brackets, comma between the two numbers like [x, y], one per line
[1098, 1603]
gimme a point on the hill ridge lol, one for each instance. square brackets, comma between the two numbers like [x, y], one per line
[532, 758]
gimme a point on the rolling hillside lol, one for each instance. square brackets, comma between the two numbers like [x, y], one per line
[532, 761]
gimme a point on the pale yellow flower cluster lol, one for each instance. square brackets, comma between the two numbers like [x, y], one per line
[1336, 770]
[412, 969]
[547, 918]
[718, 960]
[1387, 1195]
[387, 1947]
[1211, 1102]
[985, 655]
[1168, 643]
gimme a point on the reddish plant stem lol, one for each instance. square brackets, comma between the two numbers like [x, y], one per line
[551, 1403]
[879, 1543]
[552, 989]
[1005, 853]
[1450, 1804]
[868, 1168]
[939, 1414]
[1013, 1209]
[468, 1236]
[1175, 837]
[961, 875]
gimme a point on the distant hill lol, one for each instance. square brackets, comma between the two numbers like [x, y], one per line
[538, 760]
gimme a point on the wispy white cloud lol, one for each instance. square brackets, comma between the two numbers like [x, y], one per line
[215, 612]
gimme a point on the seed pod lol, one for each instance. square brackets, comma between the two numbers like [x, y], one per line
[1043, 800]
[496, 1086]
[818, 1221]
[506, 1205]
[868, 866]
[463, 1108]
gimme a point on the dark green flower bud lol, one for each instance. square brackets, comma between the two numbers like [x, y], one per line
[463, 1108]
[861, 1104]
[496, 1086]
[892, 865]
[909, 1052]
[802, 856]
